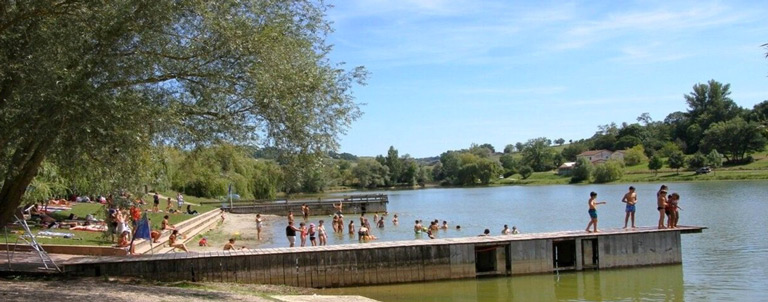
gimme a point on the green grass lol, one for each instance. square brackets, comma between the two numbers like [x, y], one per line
[97, 238]
[640, 173]
[537, 178]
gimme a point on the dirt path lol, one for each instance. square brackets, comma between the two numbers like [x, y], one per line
[130, 291]
[242, 227]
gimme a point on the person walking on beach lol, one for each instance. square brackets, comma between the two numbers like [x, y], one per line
[630, 198]
[290, 233]
[593, 212]
[661, 204]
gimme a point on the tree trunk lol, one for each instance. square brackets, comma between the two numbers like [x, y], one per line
[19, 174]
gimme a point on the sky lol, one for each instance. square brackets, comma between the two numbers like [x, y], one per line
[447, 74]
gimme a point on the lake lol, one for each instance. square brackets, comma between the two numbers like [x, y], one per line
[724, 262]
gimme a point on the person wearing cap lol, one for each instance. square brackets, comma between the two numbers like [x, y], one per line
[312, 232]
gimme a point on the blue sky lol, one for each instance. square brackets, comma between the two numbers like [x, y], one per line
[446, 74]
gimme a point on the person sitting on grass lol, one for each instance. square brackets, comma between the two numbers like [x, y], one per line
[190, 211]
[203, 242]
[172, 242]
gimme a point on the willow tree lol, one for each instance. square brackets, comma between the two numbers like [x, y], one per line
[92, 83]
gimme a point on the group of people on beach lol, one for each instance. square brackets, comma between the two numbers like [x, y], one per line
[667, 205]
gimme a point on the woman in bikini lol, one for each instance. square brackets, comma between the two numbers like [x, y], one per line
[172, 242]
[661, 204]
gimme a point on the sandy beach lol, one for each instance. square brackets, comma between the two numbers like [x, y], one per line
[242, 227]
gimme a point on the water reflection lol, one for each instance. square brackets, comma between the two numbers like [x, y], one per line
[661, 283]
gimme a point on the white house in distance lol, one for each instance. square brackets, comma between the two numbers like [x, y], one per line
[601, 156]
[594, 156]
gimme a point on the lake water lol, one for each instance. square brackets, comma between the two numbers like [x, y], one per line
[725, 262]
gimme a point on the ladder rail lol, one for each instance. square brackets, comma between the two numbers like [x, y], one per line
[44, 257]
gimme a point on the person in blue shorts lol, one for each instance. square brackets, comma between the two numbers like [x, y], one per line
[593, 212]
[630, 199]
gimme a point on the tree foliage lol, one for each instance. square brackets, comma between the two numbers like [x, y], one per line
[525, 172]
[635, 156]
[697, 160]
[538, 155]
[736, 138]
[609, 171]
[184, 72]
[676, 160]
[570, 152]
[582, 171]
[655, 163]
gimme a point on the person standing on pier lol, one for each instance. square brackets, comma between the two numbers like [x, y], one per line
[290, 233]
[630, 198]
[593, 212]
[661, 204]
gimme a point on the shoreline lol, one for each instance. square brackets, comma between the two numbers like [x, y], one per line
[242, 227]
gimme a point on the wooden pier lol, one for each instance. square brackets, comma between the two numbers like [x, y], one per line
[403, 261]
[353, 204]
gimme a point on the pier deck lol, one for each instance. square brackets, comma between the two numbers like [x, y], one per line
[403, 261]
[352, 204]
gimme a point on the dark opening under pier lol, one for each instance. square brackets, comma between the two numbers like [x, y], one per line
[404, 261]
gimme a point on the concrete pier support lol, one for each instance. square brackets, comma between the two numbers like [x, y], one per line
[403, 261]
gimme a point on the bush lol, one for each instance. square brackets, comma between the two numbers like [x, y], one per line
[697, 160]
[525, 171]
[608, 172]
[635, 155]
[582, 171]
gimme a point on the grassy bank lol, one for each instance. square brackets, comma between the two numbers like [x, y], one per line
[640, 173]
[98, 238]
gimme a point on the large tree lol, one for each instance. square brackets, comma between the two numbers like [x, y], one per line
[708, 104]
[86, 83]
[736, 138]
[538, 154]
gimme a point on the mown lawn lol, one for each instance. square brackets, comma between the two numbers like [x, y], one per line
[98, 238]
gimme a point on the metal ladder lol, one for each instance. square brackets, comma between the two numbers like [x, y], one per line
[48, 263]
